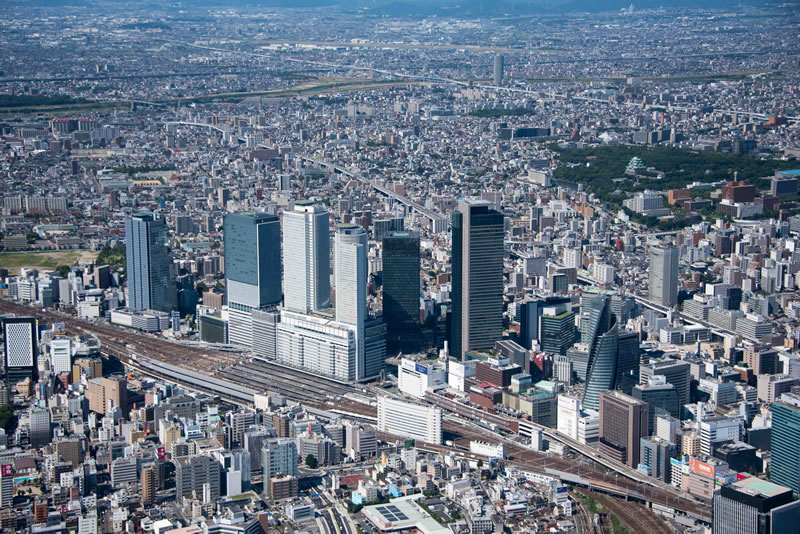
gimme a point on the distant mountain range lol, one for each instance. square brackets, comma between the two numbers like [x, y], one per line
[486, 7]
[417, 8]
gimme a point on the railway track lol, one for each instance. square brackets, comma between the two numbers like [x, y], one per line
[248, 377]
[635, 516]
[294, 384]
[319, 391]
[154, 348]
[583, 519]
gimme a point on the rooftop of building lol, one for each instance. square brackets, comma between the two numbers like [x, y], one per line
[758, 487]
[403, 514]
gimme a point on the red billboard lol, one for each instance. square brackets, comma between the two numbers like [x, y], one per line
[701, 468]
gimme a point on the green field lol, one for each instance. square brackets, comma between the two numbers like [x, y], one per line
[13, 261]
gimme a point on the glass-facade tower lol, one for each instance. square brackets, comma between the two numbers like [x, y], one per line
[785, 454]
[602, 337]
[401, 289]
[252, 269]
[477, 319]
[149, 262]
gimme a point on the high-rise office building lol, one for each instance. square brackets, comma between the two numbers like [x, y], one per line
[61, 355]
[149, 482]
[40, 431]
[785, 454]
[349, 346]
[306, 255]
[104, 394]
[252, 270]
[477, 319]
[499, 64]
[602, 333]
[676, 372]
[628, 359]
[150, 276]
[278, 456]
[7, 485]
[655, 457]
[374, 346]
[20, 341]
[350, 273]
[234, 471]
[530, 314]
[401, 290]
[660, 397]
[193, 472]
[623, 422]
[253, 441]
[755, 506]
[664, 275]
[558, 330]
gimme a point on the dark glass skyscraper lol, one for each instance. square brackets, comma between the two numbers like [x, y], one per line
[401, 290]
[530, 316]
[477, 318]
[558, 329]
[150, 278]
[754, 506]
[628, 357]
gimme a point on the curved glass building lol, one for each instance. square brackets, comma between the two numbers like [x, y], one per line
[602, 332]
[603, 368]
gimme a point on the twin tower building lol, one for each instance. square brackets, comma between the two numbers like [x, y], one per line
[342, 342]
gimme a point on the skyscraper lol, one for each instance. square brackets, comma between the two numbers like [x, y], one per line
[150, 277]
[623, 422]
[628, 358]
[252, 270]
[306, 255]
[477, 319]
[664, 275]
[785, 454]
[350, 273]
[401, 289]
[499, 64]
[20, 341]
[602, 333]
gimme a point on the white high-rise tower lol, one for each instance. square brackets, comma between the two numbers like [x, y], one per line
[664, 275]
[306, 258]
[350, 274]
